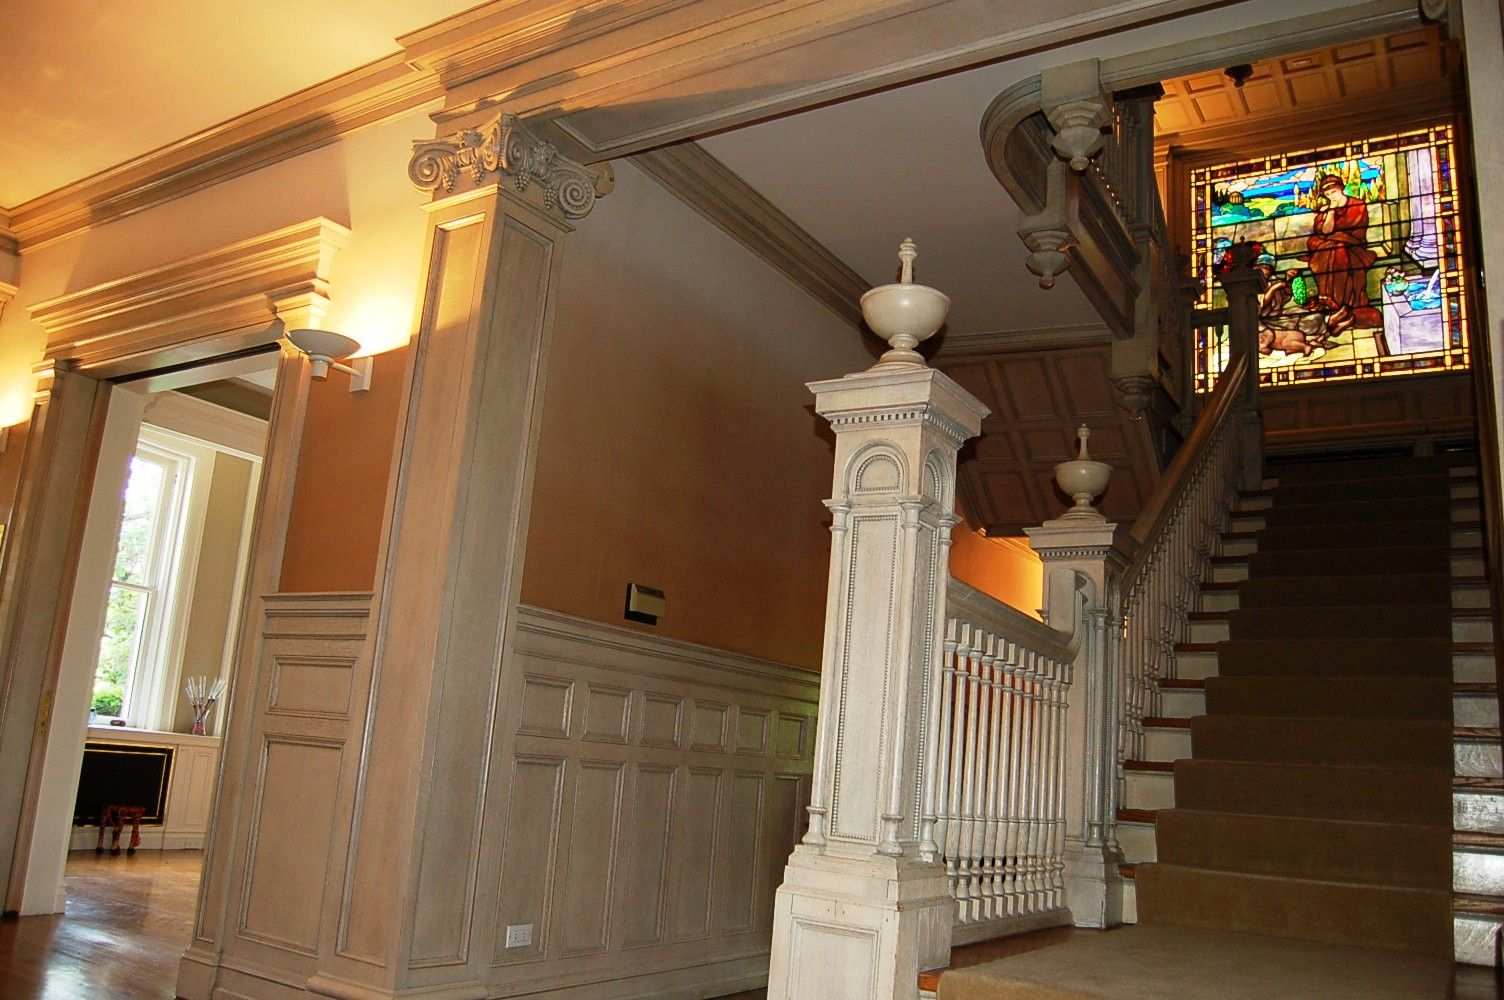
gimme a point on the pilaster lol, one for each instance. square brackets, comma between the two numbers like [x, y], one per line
[865, 905]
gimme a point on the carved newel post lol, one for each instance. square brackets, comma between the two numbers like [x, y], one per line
[1243, 283]
[1084, 557]
[865, 905]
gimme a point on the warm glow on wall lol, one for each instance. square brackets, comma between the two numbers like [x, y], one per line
[17, 395]
[381, 323]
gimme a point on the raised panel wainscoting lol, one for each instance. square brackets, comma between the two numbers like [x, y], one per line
[643, 801]
[657, 788]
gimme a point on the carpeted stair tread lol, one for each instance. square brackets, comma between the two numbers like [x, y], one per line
[1285, 514]
[1357, 621]
[1378, 537]
[1363, 489]
[1414, 855]
[1359, 559]
[1373, 916]
[1335, 658]
[1333, 473]
[1341, 742]
[1373, 794]
[1428, 698]
[1364, 590]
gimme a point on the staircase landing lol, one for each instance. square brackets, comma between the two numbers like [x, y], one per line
[1181, 963]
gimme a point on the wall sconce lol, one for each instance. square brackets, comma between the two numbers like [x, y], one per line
[325, 349]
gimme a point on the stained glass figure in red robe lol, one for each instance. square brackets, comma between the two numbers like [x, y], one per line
[1339, 258]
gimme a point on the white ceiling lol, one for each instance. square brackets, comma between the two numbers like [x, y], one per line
[85, 85]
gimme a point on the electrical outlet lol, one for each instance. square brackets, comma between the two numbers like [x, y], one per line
[519, 935]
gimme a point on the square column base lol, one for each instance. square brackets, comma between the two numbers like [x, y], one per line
[858, 928]
[1093, 887]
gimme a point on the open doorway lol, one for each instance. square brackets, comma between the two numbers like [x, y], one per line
[153, 615]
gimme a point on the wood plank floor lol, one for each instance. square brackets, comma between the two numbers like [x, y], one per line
[128, 921]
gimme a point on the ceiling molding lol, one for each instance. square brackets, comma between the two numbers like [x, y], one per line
[296, 124]
[191, 308]
[8, 242]
[711, 188]
[958, 345]
[631, 75]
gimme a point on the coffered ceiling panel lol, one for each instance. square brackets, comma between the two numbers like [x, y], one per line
[1307, 82]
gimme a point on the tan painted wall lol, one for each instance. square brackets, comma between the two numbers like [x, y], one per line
[213, 587]
[349, 438]
[679, 448]
[1004, 568]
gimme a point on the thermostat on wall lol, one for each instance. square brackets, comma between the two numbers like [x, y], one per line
[645, 604]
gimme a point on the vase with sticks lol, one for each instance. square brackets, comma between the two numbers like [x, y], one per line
[202, 695]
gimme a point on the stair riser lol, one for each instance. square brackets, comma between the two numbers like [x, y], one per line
[1404, 622]
[1472, 630]
[1219, 600]
[1467, 595]
[1467, 565]
[1415, 699]
[1179, 703]
[1475, 938]
[1137, 841]
[1343, 511]
[1473, 668]
[1238, 546]
[1195, 666]
[1229, 572]
[1481, 710]
[1478, 871]
[1213, 631]
[1394, 489]
[1130, 902]
[1149, 790]
[1377, 744]
[1167, 744]
[1477, 759]
[1477, 811]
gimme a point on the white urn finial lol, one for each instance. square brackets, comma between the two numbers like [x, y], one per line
[904, 314]
[1083, 479]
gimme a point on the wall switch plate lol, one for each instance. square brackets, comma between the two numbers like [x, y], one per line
[519, 935]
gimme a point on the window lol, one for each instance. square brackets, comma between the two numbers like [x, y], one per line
[132, 648]
[1360, 247]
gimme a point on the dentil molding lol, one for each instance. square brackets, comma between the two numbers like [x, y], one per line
[504, 146]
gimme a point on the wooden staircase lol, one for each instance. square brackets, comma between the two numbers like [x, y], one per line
[1338, 864]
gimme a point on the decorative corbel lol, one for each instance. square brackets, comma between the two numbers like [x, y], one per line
[505, 147]
[1078, 108]
[1051, 231]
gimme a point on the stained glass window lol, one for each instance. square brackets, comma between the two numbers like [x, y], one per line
[1360, 248]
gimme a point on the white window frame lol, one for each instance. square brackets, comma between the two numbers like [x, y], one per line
[144, 681]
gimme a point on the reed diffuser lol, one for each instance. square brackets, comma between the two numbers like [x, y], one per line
[202, 695]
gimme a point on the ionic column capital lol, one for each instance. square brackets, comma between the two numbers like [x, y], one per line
[506, 148]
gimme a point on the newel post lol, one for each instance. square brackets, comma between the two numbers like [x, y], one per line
[1243, 283]
[865, 905]
[1084, 558]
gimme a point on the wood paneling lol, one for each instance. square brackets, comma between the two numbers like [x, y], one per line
[647, 832]
[1310, 83]
[1364, 413]
[1038, 398]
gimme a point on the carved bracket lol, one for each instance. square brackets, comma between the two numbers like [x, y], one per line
[1050, 232]
[504, 146]
[1078, 107]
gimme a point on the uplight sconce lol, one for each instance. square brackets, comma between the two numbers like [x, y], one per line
[325, 349]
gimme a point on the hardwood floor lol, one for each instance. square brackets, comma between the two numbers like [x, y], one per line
[128, 921]
[129, 918]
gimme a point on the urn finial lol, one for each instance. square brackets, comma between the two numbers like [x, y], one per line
[1083, 479]
[904, 313]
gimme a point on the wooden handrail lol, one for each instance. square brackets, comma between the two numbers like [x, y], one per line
[1152, 520]
[1001, 619]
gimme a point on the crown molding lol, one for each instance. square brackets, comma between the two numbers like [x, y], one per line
[951, 347]
[294, 125]
[202, 300]
[8, 242]
[711, 188]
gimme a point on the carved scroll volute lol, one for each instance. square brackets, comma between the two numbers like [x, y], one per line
[506, 148]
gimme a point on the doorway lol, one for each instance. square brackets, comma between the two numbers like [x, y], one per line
[153, 617]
